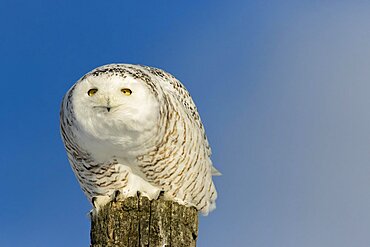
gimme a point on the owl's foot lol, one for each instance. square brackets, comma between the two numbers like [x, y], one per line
[99, 201]
[152, 193]
[137, 184]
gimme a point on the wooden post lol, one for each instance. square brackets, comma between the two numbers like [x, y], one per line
[136, 221]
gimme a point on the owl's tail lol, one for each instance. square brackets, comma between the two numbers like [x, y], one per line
[215, 172]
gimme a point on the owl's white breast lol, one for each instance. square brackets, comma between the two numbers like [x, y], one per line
[113, 134]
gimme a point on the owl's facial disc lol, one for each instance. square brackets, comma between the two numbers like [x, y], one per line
[116, 101]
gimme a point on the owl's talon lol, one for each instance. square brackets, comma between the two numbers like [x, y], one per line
[161, 194]
[93, 201]
[116, 195]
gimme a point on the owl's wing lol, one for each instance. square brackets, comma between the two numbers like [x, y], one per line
[182, 94]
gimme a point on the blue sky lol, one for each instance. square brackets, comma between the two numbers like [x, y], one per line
[282, 88]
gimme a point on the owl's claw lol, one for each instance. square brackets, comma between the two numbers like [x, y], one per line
[117, 195]
[161, 194]
[93, 201]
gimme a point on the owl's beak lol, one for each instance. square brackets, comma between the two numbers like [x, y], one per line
[108, 104]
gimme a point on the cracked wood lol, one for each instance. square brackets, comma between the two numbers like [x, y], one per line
[136, 221]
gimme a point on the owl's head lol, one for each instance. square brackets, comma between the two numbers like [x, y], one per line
[112, 103]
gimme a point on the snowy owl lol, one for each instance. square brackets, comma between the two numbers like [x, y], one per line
[133, 128]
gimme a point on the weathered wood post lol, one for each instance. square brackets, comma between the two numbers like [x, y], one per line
[136, 221]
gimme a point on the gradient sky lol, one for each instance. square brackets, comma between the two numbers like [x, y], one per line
[283, 89]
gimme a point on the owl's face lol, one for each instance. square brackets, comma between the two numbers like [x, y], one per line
[114, 106]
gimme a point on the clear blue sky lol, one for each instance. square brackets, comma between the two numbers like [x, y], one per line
[282, 87]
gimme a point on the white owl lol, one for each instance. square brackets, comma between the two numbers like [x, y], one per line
[132, 128]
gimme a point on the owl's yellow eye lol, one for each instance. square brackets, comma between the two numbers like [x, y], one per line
[92, 91]
[126, 91]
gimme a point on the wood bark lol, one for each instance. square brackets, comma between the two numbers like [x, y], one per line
[137, 221]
